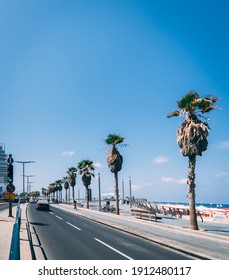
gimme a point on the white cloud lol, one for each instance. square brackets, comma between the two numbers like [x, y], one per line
[68, 153]
[221, 174]
[140, 186]
[97, 164]
[224, 145]
[181, 181]
[160, 159]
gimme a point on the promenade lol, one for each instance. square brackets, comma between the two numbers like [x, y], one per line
[210, 242]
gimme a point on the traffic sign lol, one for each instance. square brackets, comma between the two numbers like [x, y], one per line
[10, 196]
[10, 188]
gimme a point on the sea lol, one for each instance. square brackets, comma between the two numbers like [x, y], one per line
[209, 205]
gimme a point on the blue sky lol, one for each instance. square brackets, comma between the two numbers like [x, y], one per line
[74, 71]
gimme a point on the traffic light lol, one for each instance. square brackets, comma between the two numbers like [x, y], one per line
[10, 172]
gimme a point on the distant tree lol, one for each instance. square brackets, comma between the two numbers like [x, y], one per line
[58, 188]
[86, 169]
[192, 138]
[115, 160]
[72, 172]
[66, 186]
[44, 192]
[51, 190]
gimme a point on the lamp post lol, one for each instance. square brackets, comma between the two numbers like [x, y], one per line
[30, 186]
[130, 192]
[23, 163]
[123, 191]
[28, 181]
[99, 192]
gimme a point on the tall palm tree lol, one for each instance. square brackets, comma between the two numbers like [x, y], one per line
[192, 138]
[86, 169]
[115, 160]
[66, 186]
[51, 189]
[72, 171]
[58, 187]
[44, 192]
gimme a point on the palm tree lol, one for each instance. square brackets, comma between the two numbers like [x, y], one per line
[44, 192]
[192, 138]
[72, 171]
[66, 186]
[86, 169]
[51, 189]
[58, 187]
[115, 160]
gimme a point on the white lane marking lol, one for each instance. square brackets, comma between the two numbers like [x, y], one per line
[51, 213]
[73, 226]
[59, 217]
[117, 251]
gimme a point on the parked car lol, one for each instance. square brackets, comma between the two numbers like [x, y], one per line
[42, 204]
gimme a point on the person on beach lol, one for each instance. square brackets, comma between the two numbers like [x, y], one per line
[75, 207]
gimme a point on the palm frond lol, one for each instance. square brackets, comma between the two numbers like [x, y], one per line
[192, 104]
[114, 139]
[174, 114]
[187, 99]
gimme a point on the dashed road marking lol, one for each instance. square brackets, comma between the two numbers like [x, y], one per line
[112, 248]
[58, 217]
[73, 226]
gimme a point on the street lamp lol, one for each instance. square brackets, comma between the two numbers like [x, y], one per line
[130, 192]
[30, 186]
[28, 181]
[123, 191]
[23, 163]
[99, 192]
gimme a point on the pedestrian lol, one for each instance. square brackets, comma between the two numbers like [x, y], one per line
[75, 204]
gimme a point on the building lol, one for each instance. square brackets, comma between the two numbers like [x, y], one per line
[3, 168]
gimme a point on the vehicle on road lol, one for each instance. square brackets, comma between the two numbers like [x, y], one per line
[42, 204]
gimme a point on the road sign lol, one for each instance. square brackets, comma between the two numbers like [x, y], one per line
[10, 196]
[10, 188]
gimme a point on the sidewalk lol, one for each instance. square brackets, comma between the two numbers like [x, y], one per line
[6, 230]
[173, 233]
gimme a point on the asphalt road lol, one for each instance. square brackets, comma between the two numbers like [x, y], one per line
[5, 205]
[66, 236]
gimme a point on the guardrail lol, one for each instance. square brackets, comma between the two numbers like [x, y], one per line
[15, 240]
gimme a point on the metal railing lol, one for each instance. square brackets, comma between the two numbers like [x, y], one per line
[15, 240]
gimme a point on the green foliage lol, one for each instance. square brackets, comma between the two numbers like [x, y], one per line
[114, 139]
[187, 99]
[191, 103]
[86, 166]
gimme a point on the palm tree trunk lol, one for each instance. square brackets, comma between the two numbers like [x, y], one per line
[73, 194]
[191, 192]
[87, 197]
[66, 196]
[116, 193]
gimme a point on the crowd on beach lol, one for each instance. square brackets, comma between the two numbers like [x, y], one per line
[182, 211]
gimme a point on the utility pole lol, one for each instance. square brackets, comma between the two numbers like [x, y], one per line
[99, 191]
[28, 181]
[123, 191]
[23, 163]
[130, 192]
